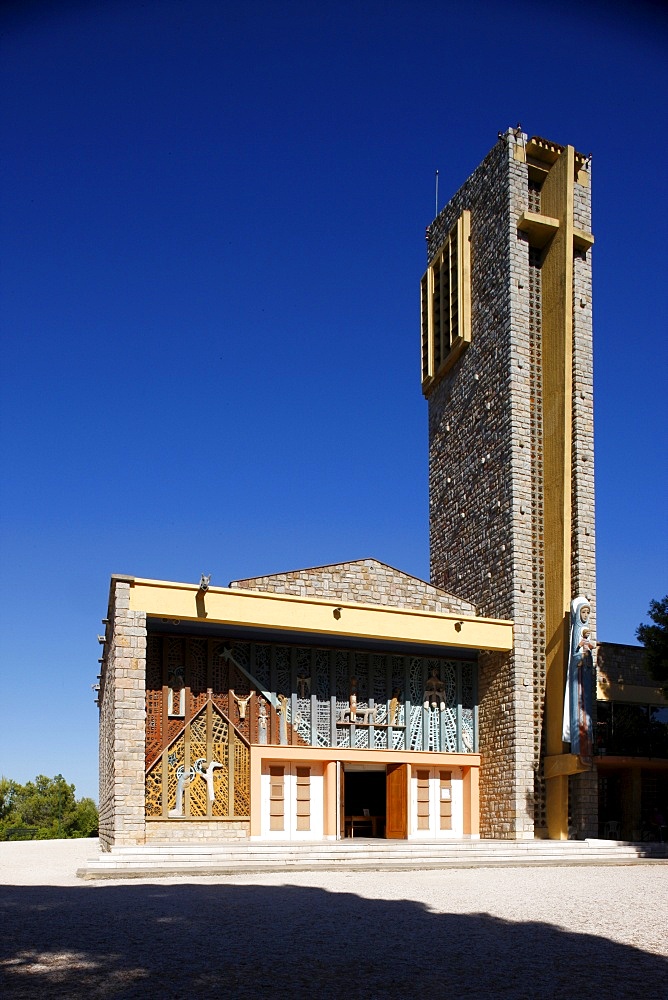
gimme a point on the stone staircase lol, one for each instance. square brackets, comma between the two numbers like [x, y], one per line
[360, 854]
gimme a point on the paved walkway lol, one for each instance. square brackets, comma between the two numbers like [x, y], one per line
[517, 933]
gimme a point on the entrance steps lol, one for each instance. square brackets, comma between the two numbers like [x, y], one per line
[360, 854]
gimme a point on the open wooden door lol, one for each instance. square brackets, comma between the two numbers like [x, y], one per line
[396, 824]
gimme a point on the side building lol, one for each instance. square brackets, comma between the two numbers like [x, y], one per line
[631, 747]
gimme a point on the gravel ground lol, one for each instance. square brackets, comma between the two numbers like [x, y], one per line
[512, 932]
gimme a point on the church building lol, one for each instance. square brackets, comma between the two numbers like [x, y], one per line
[353, 699]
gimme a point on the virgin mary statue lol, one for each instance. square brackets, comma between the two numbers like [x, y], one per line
[578, 697]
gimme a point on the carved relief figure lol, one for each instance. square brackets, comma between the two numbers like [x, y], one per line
[262, 721]
[434, 691]
[393, 714]
[283, 719]
[242, 703]
[176, 695]
[304, 685]
[206, 771]
[579, 693]
[183, 779]
[352, 700]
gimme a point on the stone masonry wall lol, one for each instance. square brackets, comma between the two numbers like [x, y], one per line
[106, 698]
[196, 831]
[480, 483]
[621, 664]
[366, 581]
[122, 722]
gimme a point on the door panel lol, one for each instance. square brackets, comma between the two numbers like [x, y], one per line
[396, 826]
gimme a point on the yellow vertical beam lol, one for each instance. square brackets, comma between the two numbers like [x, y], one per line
[329, 779]
[557, 344]
[471, 787]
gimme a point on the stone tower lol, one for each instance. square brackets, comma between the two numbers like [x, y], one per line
[507, 372]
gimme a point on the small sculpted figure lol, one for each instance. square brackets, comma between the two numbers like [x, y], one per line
[434, 691]
[283, 719]
[352, 701]
[304, 685]
[183, 779]
[262, 721]
[176, 695]
[393, 714]
[206, 771]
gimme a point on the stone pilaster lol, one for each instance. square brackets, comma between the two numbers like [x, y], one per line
[122, 722]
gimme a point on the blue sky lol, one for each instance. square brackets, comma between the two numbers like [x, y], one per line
[212, 236]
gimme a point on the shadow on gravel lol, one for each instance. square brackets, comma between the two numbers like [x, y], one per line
[191, 941]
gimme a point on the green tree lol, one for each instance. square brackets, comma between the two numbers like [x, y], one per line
[84, 821]
[655, 640]
[44, 809]
[7, 794]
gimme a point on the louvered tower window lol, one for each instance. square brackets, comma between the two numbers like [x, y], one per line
[446, 303]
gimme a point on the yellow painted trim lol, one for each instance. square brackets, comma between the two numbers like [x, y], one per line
[460, 235]
[557, 364]
[471, 783]
[564, 764]
[464, 276]
[416, 758]
[330, 790]
[327, 617]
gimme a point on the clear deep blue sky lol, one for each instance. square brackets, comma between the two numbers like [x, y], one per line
[213, 220]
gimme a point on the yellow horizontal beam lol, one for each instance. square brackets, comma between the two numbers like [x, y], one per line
[539, 228]
[417, 758]
[564, 763]
[582, 240]
[263, 610]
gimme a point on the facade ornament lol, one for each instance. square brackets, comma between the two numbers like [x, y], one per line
[304, 685]
[393, 714]
[262, 721]
[242, 703]
[579, 693]
[367, 715]
[434, 691]
[176, 694]
[352, 700]
[206, 771]
[183, 779]
[283, 701]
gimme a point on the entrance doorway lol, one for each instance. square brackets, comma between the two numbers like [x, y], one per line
[364, 799]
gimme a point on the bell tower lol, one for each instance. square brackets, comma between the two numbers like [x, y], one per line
[507, 371]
